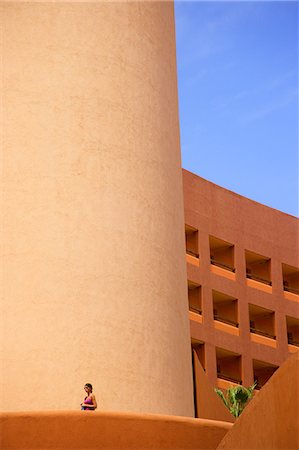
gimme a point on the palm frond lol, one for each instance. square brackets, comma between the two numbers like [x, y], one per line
[221, 395]
[236, 398]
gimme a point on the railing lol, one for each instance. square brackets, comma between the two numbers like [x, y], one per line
[228, 378]
[292, 342]
[192, 253]
[196, 310]
[227, 321]
[262, 333]
[259, 279]
[223, 265]
[290, 289]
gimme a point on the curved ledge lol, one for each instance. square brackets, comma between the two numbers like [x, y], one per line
[70, 430]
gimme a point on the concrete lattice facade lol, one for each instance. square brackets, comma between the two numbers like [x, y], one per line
[242, 264]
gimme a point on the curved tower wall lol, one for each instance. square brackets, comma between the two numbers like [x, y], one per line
[94, 277]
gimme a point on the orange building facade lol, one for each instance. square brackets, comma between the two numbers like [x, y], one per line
[93, 260]
[92, 187]
[243, 284]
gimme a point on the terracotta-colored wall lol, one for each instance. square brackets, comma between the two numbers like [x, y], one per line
[93, 230]
[270, 421]
[208, 403]
[69, 430]
[248, 225]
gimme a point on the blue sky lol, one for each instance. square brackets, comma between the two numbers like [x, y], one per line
[238, 96]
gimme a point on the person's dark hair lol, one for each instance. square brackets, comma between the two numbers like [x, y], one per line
[89, 386]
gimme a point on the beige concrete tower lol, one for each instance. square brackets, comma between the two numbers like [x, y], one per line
[92, 217]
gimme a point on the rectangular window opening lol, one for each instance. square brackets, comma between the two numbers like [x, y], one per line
[225, 308]
[292, 330]
[262, 372]
[194, 297]
[290, 277]
[258, 267]
[191, 237]
[222, 254]
[262, 321]
[229, 365]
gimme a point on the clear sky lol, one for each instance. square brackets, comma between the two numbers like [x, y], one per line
[238, 96]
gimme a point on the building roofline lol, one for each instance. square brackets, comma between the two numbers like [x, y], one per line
[239, 195]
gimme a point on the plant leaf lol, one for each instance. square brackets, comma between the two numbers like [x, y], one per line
[221, 395]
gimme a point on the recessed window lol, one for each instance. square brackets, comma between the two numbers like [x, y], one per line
[222, 254]
[199, 348]
[262, 321]
[225, 308]
[258, 267]
[293, 330]
[290, 277]
[191, 236]
[229, 365]
[262, 372]
[198, 361]
[194, 297]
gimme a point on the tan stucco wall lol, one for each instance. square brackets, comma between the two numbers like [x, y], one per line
[94, 276]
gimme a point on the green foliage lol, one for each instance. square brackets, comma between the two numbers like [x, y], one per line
[236, 398]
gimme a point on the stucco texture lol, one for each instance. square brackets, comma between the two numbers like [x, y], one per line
[70, 430]
[92, 235]
[270, 421]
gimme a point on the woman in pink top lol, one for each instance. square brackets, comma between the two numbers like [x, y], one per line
[89, 403]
